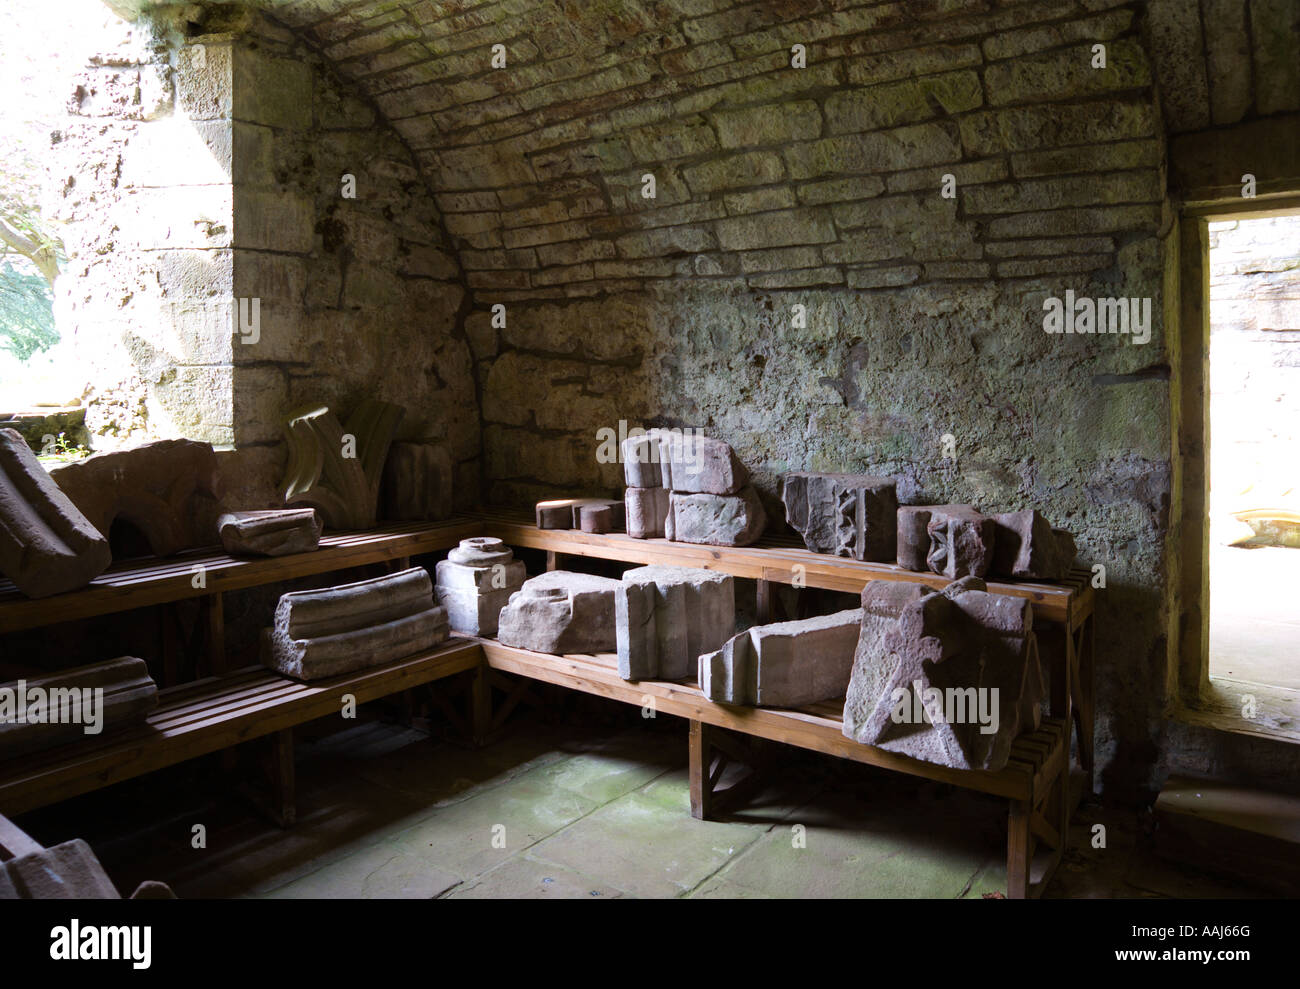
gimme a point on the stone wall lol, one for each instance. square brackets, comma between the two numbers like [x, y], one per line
[222, 161]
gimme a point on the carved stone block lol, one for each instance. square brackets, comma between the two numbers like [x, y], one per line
[667, 616]
[715, 520]
[476, 581]
[1027, 547]
[417, 483]
[961, 542]
[269, 533]
[844, 514]
[950, 677]
[561, 612]
[47, 545]
[337, 630]
[164, 489]
[337, 471]
[646, 512]
[682, 460]
[787, 664]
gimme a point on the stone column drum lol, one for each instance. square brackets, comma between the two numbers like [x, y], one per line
[476, 581]
[667, 616]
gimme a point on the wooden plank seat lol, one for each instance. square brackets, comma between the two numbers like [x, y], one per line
[1035, 781]
[214, 714]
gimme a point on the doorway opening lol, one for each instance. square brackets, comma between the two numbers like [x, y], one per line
[1254, 450]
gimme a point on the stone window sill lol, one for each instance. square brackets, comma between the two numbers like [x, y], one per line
[1225, 707]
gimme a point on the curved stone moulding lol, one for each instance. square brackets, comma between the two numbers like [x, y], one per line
[158, 487]
[476, 581]
[121, 694]
[337, 630]
[785, 664]
[276, 532]
[344, 489]
[950, 677]
[47, 545]
[667, 616]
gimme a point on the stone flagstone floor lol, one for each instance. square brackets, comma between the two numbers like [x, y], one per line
[579, 810]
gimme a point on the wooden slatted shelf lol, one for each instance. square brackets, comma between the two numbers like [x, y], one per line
[140, 583]
[1035, 780]
[209, 715]
[774, 559]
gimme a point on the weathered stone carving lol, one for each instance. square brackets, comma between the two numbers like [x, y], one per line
[950, 677]
[587, 514]
[845, 514]
[67, 871]
[417, 483]
[914, 533]
[647, 512]
[160, 488]
[1027, 547]
[784, 665]
[667, 616]
[961, 542]
[476, 581]
[86, 703]
[561, 612]
[338, 471]
[276, 532]
[682, 460]
[47, 545]
[336, 630]
[717, 520]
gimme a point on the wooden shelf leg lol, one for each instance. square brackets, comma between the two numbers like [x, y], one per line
[214, 613]
[552, 560]
[284, 803]
[1019, 849]
[480, 705]
[701, 752]
[764, 601]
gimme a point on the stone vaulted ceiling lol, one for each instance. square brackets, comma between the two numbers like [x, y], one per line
[539, 165]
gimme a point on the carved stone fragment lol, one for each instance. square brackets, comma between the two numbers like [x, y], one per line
[587, 514]
[336, 630]
[715, 520]
[784, 665]
[647, 512]
[682, 460]
[47, 545]
[276, 532]
[950, 677]
[164, 489]
[845, 514]
[561, 612]
[476, 581]
[667, 616]
[337, 471]
[417, 483]
[87, 703]
[961, 542]
[1027, 547]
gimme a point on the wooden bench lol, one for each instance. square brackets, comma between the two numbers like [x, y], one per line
[1035, 781]
[208, 574]
[209, 715]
